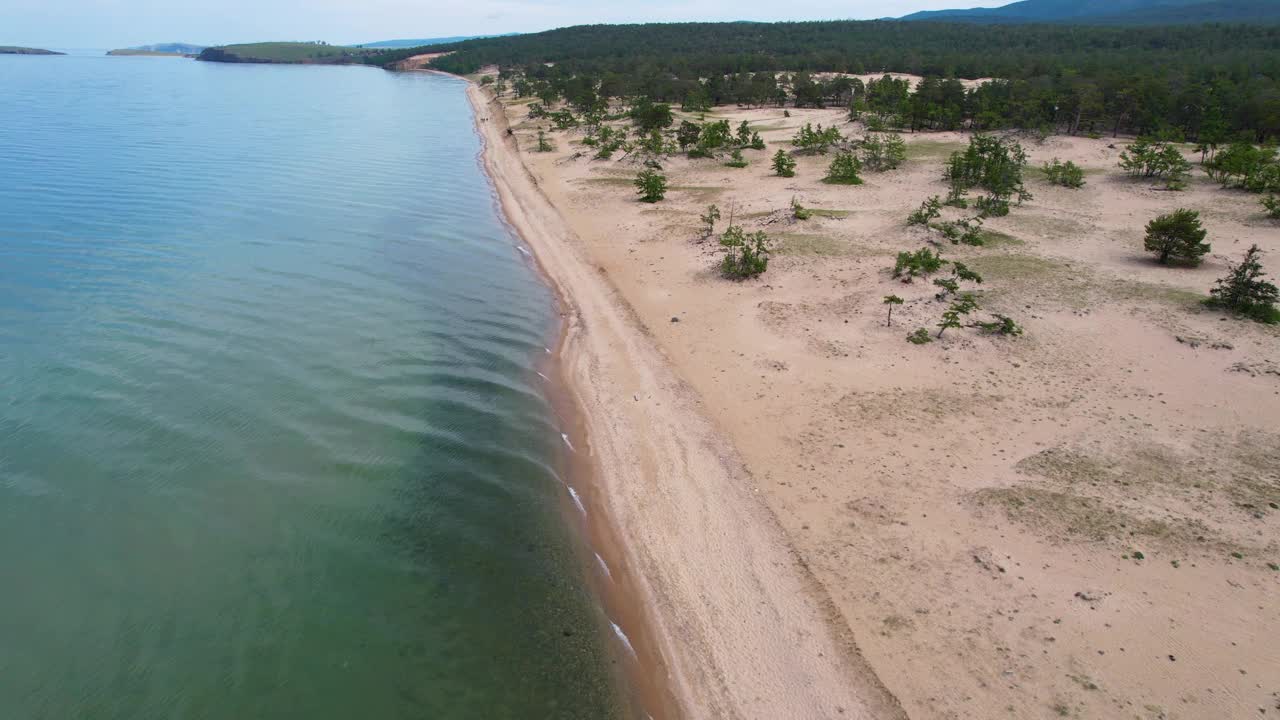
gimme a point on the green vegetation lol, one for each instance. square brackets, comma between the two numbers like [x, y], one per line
[291, 53]
[844, 170]
[1177, 236]
[1147, 158]
[919, 336]
[544, 145]
[883, 152]
[891, 300]
[962, 306]
[1246, 166]
[911, 265]
[736, 160]
[992, 164]
[747, 256]
[928, 211]
[709, 220]
[799, 211]
[1195, 83]
[1067, 174]
[1244, 291]
[783, 164]
[651, 186]
[1271, 204]
[809, 140]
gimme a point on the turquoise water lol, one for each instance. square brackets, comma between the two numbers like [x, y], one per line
[272, 443]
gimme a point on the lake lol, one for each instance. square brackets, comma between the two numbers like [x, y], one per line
[273, 440]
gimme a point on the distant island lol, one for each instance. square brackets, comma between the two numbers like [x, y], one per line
[13, 50]
[162, 50]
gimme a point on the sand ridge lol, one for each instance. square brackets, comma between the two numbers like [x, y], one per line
[1080, 522]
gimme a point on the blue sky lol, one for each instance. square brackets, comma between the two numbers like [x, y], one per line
[122, 23]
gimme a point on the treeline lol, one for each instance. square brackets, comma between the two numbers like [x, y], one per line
[1179, 82]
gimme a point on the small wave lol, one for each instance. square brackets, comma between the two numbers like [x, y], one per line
[565, 437]
[604, 566]
[623, 637]
[576, 500]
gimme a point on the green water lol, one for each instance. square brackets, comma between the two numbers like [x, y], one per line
[272, 443]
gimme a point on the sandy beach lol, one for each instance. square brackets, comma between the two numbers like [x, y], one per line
[821, 520]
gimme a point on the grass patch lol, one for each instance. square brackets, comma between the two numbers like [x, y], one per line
[1018, 267]
[995, 238]
[931, 149]
[832, 214]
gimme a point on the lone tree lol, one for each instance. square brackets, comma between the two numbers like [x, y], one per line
[651, 186]
[1244, 291]
[1177, 236]
[713, 214]
[891, 300]
[783, 164]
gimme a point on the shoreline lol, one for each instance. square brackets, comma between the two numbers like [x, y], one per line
[737, 622]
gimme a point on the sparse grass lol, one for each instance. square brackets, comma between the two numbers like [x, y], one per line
[932, 149]
[832, 214]
[823, 245]
[1085, 518]
[995, 238]
[1017, 266]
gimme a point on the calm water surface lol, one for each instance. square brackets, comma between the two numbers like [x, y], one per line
[271, 441]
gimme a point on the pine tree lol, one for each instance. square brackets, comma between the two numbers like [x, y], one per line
[1177, 236]
[1244, 291]
[783, 164]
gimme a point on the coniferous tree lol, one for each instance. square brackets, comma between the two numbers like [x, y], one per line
[1177, 236]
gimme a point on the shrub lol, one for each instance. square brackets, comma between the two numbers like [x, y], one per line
[1244, 291]
[651, 186]
[687, 134]
[950, 286]
[1066, 174]
[1151, 159]
[991, 206]
[919, 336]
[1247, 166]
[883, 152]
[544, 145]
[747, 256]
[757, 143]
[1271, 204]
[917, 264]
[844, 170]
[1177, 236]
[816, 141]
[783, 164]
[709, 219]
[961, 306]
[928, 211]
[967, 231]
[799, 211]
[744, 134]
[1002, 325]
[892, 300]
[736, 160]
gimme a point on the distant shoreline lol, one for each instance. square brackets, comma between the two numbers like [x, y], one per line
[14, 50]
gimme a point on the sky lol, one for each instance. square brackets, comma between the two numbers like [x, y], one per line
[111, 24]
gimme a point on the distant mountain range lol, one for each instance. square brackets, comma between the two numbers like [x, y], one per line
[420, 42]
[1114, 12]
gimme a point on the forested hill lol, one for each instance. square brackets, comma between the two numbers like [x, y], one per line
[1113, 12]
[1131, 79]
